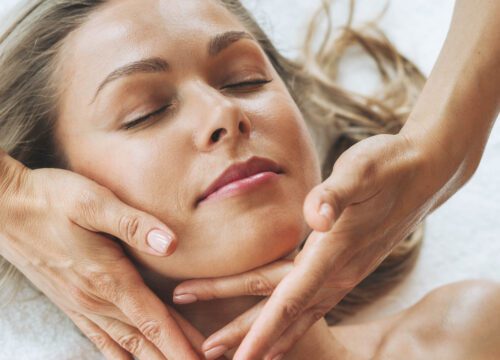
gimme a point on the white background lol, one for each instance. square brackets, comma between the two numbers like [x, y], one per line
[462, 237]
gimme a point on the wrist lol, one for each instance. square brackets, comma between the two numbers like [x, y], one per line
[449, 132]
[444, 164]
[456, 110]
[13, 179]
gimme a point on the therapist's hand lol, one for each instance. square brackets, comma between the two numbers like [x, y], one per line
[379, 191]
[53, 226]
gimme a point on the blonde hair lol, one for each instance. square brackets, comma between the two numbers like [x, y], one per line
[337, 118]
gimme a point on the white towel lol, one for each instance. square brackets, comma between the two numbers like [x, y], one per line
[462, 237]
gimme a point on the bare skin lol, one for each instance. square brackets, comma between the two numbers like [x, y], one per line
[379, 190]
[316, 263]
[456, 321]
[82, 282]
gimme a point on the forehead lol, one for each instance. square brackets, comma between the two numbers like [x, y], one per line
[123, 31]
[139, 20]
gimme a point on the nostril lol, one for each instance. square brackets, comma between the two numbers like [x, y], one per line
[216, 135]
[241, 127]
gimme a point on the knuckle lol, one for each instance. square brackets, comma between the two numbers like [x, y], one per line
[133, 343]
[84, 300]
[100, 341]
[347, 283]
[151, 330]
[292, 309]
[330, 191]
[129, 227]
[319, 311]
[317, 314]
[238, 327]
[211, 289]
[87, 205]
[259, 285]
[359, 272]
[103, 283]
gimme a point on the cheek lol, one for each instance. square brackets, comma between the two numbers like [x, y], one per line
[280, 120]
[143, 173]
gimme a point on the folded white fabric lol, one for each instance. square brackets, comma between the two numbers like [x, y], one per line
[462, 237]
[32, 328]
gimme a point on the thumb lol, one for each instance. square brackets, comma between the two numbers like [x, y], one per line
[326, 202]
[102, 211]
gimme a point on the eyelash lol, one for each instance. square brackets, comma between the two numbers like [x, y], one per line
[247, 83]
[134, 123]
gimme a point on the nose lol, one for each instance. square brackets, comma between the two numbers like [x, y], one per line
[222, 122]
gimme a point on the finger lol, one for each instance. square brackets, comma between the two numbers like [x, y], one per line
[102, 211]
[106, 345]
[259, 282]
[128, 337]
[231, 335]
[194, 336]
[148, 314]
[348, 184]
[325, 203]
[297, 330]
[294, 294]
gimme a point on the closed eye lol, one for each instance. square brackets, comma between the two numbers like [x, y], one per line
[247, 85]
[243, 86]
[134, 123]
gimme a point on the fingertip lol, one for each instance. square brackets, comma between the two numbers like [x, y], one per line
[215, 352]
[183, 288]
[309, 208]
[161, 242]
[326, 214]
[208, 344]
[183, 299]
[173, 245]
[277, 357]
[318, 224]
[318, 214]
[217, 341]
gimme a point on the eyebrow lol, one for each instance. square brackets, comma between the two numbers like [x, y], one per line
[155, 65]
[222, 41]
[151, 65]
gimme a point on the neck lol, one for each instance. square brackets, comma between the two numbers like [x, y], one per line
[210, 316]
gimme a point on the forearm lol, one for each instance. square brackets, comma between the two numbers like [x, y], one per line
[454, 115]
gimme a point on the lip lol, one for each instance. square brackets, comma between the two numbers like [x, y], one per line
[242, 176]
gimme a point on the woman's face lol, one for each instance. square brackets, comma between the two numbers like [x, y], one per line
[158, 98]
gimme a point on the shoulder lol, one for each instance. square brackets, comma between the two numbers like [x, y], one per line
[458, 321]
[465, 304]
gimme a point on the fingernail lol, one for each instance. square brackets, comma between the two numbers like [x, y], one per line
[278, 357]
[215, 352]
[327, 212]
[185, 299]
[159, 241]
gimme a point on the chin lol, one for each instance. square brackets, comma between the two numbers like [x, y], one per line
[257, 249]
[235, 235]
[266, 234]
[263, 235]
[247, 232]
